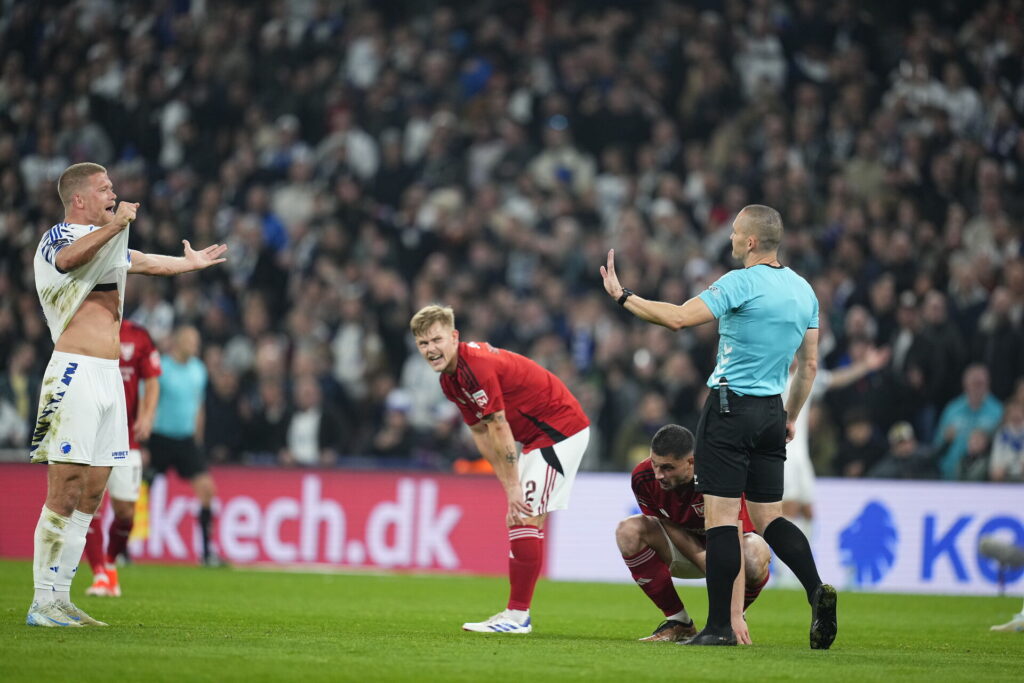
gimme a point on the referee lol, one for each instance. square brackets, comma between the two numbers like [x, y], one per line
[179, 425]
[766, 313]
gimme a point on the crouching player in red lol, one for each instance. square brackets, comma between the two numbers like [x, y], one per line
[504, 398]
[668, 538]
[140, 365]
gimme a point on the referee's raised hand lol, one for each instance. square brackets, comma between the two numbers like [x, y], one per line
[611, 280]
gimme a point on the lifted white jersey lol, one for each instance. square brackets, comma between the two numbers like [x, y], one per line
[61, 293]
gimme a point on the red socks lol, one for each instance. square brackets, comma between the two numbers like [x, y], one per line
[654, 579]
[94, 546]
[526, 555]
[120, 530]
[751, 593]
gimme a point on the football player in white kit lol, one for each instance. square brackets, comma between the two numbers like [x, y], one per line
[81, 430]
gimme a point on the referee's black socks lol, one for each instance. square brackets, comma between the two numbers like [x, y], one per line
[790, 546]
[723, 564]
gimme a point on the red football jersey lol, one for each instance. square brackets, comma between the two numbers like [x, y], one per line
[682, 505]
[538, 406]
[139, 360]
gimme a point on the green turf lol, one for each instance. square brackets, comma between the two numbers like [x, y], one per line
[193, 624]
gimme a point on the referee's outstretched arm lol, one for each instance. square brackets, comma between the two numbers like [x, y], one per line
[693, 312]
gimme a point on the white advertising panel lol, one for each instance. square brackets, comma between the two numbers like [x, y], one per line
[869, 535]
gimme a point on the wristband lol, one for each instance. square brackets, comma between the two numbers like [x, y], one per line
[626, 293]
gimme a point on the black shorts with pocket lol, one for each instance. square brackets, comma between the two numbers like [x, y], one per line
[182, 454]
[742, 451]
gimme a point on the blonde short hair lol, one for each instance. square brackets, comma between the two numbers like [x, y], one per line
[428, 315]
[72, 179]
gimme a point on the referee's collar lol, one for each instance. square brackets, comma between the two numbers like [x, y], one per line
[778, 267]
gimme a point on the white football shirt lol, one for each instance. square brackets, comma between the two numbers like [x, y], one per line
[62, 293]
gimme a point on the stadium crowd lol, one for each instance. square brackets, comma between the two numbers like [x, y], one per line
[364, 159]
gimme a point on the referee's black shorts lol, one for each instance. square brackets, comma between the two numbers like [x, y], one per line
[184, 455]
[742, 451]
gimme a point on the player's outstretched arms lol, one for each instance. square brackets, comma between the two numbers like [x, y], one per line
[158, 264]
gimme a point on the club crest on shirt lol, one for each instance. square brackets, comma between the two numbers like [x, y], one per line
[698, 508]
[127, 350]
[480, 397]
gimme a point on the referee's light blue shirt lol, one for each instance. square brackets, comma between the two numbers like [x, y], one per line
[763, 313]
[182, 392]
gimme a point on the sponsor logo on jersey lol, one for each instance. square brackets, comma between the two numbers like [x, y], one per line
[119, 455]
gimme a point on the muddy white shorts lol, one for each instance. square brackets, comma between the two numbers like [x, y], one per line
[547, 473]
[125, 481]
[82, 417]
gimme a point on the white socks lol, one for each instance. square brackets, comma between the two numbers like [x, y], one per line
[681, 616]
[51, 530]
[518, 615]
[71, 555]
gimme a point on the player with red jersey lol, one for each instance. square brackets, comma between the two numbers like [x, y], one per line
[139, 363]
[504, 398]
[667, 539]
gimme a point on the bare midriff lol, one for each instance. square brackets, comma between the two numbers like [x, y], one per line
[95, 329]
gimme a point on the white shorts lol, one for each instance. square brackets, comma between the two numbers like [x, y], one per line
[798, 473]
[82, 417]
[680, 567]
[124, 482]
[547, 473]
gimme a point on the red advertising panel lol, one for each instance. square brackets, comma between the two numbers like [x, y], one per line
[373, 520]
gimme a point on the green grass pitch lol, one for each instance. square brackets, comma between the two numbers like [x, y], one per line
[194, 624]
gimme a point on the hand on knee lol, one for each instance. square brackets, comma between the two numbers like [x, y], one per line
[630, 536]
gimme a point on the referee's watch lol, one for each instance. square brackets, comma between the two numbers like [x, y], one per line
[626, 293]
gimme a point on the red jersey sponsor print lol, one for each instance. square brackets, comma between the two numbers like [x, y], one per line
[682, 505]
[538, 406]
[139, 360]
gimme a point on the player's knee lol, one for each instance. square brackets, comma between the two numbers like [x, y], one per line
[630, 532]
[756, 558]
[89, 504]
[64, 496]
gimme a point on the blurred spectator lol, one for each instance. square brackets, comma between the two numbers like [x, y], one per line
[974, 465]
[861, 447]
[633, 441]
[1007, 459]
[907, 458]
[999, 344]
[395, 436]
[314, 433]
[19, 394]
[223, 428]
[976, 410]
[265, 423]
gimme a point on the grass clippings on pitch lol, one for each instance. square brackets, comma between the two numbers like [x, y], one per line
[195, 624]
